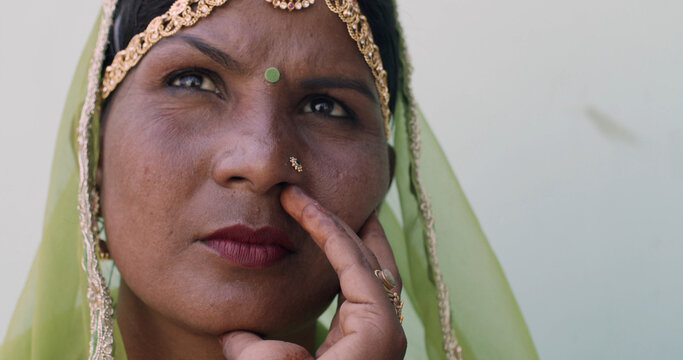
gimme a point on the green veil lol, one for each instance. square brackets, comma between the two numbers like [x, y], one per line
[454, 287]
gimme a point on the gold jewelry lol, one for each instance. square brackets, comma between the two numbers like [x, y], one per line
[98, 226]
[102, 249]
[451, 345]
[359, 29]
[387, 279]
[291, 5]
[183, 13]
[100, 302]
[296, 164]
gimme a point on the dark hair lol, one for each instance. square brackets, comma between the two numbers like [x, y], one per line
[132, 16]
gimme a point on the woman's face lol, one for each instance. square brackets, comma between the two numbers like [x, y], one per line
[196, 140]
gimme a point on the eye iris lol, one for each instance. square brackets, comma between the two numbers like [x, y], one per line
[322, 106]
[190, 81]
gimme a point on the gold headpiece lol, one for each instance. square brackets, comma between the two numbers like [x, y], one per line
[185, 13]
[359, 29]
[291, 5]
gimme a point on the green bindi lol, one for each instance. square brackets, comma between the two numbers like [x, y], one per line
[272, 75]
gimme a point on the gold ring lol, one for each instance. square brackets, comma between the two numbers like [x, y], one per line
[389, 282]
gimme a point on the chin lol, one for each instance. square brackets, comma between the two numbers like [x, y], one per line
[271, 314]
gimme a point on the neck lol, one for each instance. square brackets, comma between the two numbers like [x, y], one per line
[147, 334]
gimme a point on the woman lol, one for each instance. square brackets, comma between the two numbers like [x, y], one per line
[235, 154]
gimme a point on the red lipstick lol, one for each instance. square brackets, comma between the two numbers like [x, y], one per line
[250, 248]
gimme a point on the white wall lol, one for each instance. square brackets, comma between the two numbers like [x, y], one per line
[563, 120]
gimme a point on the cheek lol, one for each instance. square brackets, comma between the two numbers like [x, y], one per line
[146, 156]
[146, 174]
[353, 182]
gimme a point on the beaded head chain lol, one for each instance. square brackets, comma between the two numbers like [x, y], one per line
[185, 13]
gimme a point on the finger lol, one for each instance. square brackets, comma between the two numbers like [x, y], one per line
[367, 322]
[367, 253]
[335, 333]
[234, 343]
[374, 238]
[355, 274]
[243, 345]
[355, 346]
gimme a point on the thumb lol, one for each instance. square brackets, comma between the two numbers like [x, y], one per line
[243, 345]
[234, 343]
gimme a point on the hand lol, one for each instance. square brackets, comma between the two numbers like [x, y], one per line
[365, 325]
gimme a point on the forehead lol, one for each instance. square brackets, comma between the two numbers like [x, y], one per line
[257, 35]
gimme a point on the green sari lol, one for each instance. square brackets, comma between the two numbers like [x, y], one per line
[454, 287]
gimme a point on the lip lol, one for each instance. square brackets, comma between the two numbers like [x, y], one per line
[244, 246]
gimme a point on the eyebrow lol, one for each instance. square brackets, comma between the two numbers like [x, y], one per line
[339, 83]
[231, 64]
[213, 52]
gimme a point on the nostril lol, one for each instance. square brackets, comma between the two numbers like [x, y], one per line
[237, 178]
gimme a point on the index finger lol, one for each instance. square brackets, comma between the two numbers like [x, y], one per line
[356, 276]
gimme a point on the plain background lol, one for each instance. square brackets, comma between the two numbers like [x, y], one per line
[562, 119]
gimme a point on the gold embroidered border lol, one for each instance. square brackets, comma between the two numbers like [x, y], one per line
[183, 13]
[359, 29]
[99, 299]
[450, 342]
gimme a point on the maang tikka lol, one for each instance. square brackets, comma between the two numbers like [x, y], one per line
[291, 5]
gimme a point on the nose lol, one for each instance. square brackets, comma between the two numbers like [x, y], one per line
[255, 157]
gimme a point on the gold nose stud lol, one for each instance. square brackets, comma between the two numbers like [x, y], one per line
[296, 164]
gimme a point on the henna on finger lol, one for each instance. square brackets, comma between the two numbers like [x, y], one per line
[366, 324]
[369, 255]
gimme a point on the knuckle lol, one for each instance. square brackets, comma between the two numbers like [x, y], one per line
[349, 268]
[310, 212]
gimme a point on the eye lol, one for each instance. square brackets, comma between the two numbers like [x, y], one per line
[194, 80]
[325, 106]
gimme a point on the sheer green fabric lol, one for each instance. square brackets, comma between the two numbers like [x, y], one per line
[51, 319]
[51, 316]
[486, 319]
